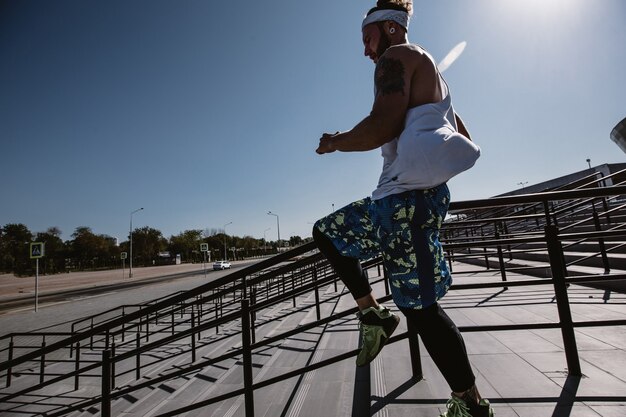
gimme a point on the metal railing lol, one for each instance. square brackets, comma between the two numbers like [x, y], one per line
[151, 324]
[532, 217]
[239, 296]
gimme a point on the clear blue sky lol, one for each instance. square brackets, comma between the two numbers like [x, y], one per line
[207, 112]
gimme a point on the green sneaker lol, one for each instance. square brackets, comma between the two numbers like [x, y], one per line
[376, 325]
[459, 408]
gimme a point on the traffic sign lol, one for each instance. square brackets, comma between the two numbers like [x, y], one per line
[36, 250]
[123, 255]
[204, 247]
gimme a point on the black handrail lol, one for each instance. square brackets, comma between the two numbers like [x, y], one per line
[573, 366]
[185, 333]
[236, 275]
[538, 198]
[241, 281]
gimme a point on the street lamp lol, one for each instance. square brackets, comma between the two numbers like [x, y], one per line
[277, 225]
[264, 241]
[130, 273]
[225, 252]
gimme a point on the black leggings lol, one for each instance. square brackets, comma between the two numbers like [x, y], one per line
[440, 336]
[348, 269]
[444, 343]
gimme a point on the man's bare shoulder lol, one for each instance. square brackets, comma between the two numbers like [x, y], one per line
[420, 66]
[409, 53]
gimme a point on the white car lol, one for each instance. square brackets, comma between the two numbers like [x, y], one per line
[219, 265]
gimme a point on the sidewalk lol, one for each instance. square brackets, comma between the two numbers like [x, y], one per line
[12, 286]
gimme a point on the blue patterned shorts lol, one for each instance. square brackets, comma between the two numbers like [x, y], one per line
[405, 228]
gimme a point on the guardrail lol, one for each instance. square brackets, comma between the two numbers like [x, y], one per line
[250, 290]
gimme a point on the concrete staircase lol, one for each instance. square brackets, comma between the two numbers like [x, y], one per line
[198, 385]
[522, 371]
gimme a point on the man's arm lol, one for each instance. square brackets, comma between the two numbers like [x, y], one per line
[386, 120]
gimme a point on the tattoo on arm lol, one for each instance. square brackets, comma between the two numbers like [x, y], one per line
[389, 76]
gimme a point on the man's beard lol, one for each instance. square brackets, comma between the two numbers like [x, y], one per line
[383, 44]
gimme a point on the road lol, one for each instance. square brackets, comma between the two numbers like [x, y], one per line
[65, 298]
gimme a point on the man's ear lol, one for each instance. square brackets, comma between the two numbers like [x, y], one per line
[391, 28]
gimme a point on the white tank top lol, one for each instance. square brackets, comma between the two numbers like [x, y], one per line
[428, 152]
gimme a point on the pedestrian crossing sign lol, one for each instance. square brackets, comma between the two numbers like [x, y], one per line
[36, 250]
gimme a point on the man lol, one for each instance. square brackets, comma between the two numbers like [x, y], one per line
[424, 143]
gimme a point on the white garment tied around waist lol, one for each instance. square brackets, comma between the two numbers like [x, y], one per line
[428, 152]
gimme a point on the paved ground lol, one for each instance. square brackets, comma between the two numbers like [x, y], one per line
[66, 297]
[12, 286]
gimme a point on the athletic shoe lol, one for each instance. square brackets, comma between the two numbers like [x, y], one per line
[459, 408]
[376, 325]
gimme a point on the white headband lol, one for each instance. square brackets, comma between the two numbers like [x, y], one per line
[400, 17]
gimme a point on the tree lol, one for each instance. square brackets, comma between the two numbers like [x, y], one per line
[147, 243]
[215, 239]
[91, 251]
[55, 251]
[187, 244]
[84, 247]
[248, 245]
[295, 241]
[14, 249]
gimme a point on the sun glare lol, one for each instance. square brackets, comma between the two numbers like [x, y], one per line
[542, 8]
[555, 15]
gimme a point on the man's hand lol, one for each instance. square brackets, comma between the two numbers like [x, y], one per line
[326, 143]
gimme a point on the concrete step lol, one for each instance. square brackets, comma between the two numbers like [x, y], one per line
[295, 353]
[160, 360]
[341, 389]
[196, 387]
[64, 393]
[207, 347]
